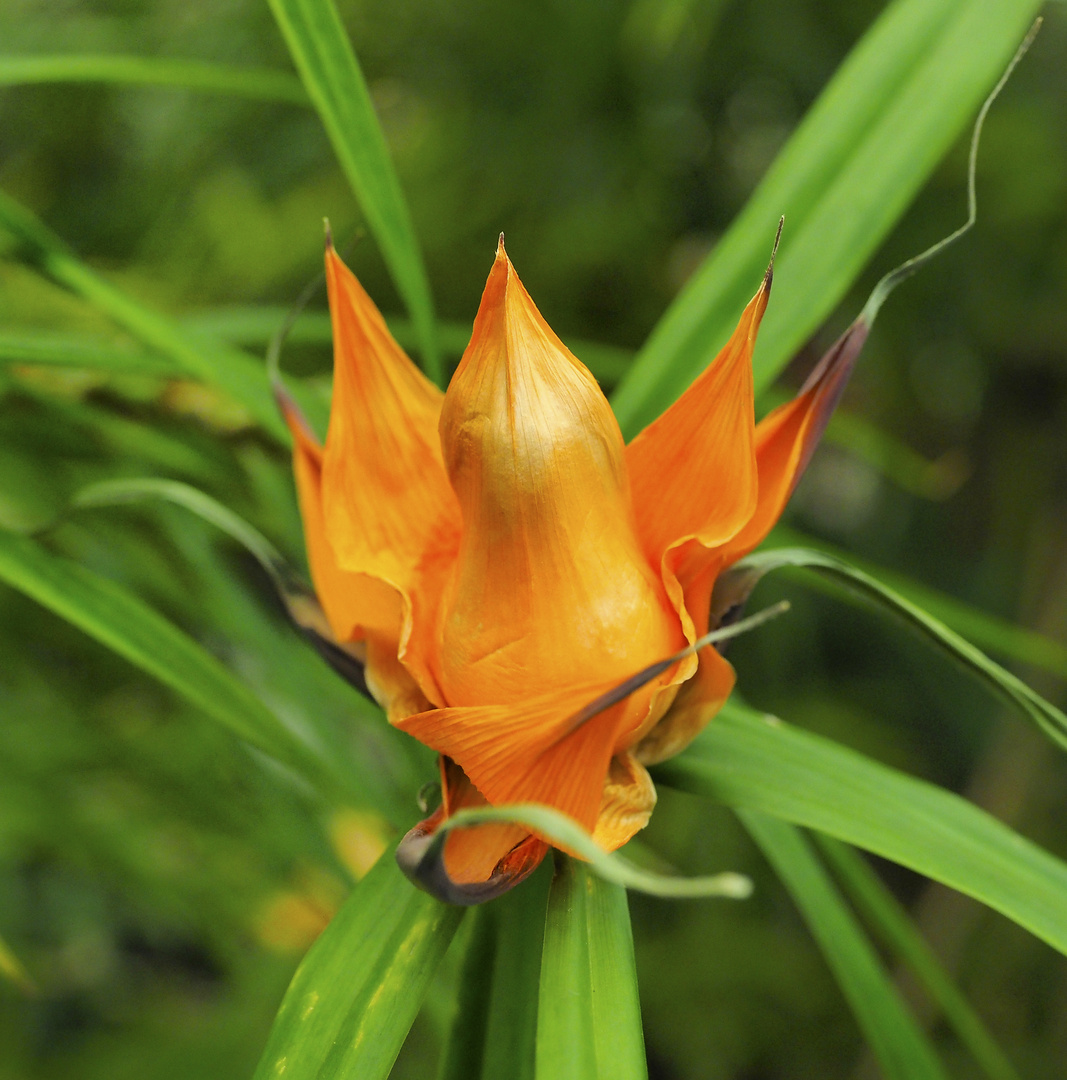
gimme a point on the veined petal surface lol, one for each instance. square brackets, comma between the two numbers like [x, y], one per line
[389, 512]
[551, 589]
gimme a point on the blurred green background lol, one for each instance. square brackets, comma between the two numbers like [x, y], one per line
[158, 881]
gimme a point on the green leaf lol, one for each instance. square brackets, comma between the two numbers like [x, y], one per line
[119, 620]
[71, 350]
[494, 1031]
[845, 177]
[259, 83]
[241, 376]
[11, 969]
[892, 925]
[328, 67]
[358, 990]
[589, 1016]
[896, 1039]
[750, 760]
[997, 635]
[1006, 685]
[257, 324]
[565, 832]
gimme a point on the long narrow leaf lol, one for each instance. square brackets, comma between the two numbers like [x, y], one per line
[988, 631]
[1012, 689]
[119, 620]
[891, 923]
[844, 178]
[328, 67]
[754, 761]
[495, 1028]
[895, 1038]
[229, 369]
[258, 83]
[589, 1017]
[70, 350]
[356, 993]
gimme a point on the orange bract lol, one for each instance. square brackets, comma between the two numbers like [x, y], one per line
[506, 560]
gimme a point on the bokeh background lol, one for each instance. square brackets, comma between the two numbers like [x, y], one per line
[158, 881]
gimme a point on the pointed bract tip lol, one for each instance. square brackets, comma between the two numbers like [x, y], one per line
[768, 276]
[500, 246]
[329, 234]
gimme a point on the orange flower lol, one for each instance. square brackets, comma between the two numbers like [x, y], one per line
[499, 558]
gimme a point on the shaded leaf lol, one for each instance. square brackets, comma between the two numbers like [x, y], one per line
[896, 1039]
[892, 925]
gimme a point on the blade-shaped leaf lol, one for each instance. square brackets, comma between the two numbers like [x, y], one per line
[565, 833]
[119, 620]
[1043, 713]
[237, 373]
[358, 990]
[259, 83]
[895, 1038]
[845, 177]
[589, 1016]
[331, 74]
[70, 350]
[495, 1027]
[750, 760]
[890, 922]
[989, 631]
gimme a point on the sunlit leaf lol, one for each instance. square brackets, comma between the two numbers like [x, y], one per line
[356, 993]
[495, 1026]
[259, 83]
[750, 760]
[589, 1016]
[331, 74]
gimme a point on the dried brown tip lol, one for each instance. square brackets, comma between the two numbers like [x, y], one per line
[329, 233]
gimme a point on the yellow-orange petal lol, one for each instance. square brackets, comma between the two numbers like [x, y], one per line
[551, 588]
[357, 606]
[696, 703]
[786, 438]
[388, 510]
[351, 601]
[528, 752]
[626, 803]
[693, 470]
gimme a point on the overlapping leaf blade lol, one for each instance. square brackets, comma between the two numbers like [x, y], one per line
[216, 364]
[890, 923]
[124, 623]
[1043, 713]
[753, 761]
[844, 178]
[589, 1016]
[328, 67]
[494, 1031]
[897, 1041]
